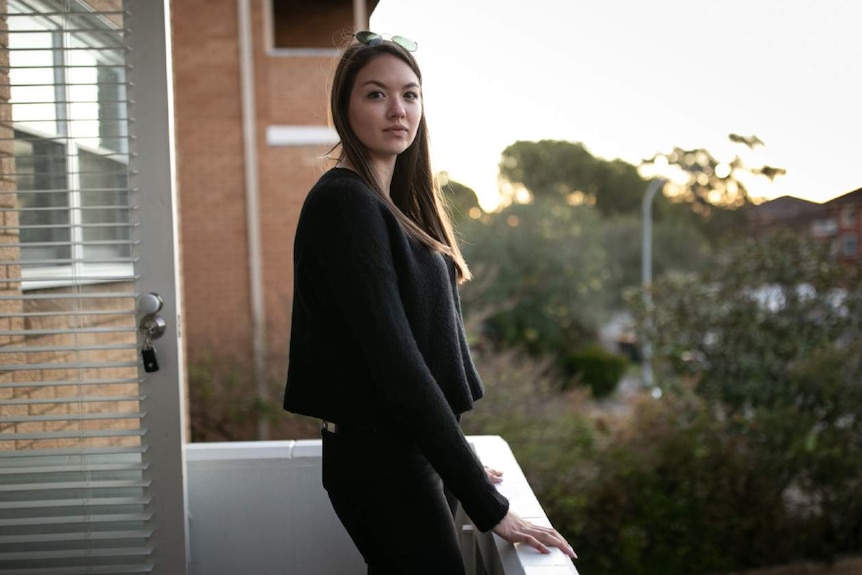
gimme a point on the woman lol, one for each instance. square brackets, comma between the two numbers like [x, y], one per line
[377, 349]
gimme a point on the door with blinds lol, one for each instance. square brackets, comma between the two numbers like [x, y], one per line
[91, 466]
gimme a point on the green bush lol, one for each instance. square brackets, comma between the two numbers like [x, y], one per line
[767, 337]
[680, 485]
[679, 491]
[550, 438]
[224, 406]
[595, 367]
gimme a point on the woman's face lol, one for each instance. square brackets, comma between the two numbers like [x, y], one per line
[385, 107]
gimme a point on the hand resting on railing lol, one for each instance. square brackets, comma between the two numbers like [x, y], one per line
[516, 530]
[494, 476]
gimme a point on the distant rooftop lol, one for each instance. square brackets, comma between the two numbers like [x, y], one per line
[791, 208]
[785, 208]
[854, 196]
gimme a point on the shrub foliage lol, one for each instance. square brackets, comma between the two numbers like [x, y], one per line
[752, 456]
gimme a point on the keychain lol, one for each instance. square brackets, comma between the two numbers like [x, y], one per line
[148, 354]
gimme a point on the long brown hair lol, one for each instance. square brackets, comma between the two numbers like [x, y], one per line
[415, 194]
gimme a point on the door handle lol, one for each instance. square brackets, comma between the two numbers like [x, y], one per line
[152, 324]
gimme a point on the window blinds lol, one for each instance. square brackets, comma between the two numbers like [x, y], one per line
[73, 451]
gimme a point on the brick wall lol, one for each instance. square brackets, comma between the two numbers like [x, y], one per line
[289, 90]
[210, 169]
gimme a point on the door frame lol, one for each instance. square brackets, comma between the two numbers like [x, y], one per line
[153, 180]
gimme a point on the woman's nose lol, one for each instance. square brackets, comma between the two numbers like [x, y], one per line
[396, 110]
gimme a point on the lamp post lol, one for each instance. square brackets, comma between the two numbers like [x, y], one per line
[646, 276]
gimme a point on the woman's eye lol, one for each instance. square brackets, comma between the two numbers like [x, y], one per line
[375, 95]
[412, 95]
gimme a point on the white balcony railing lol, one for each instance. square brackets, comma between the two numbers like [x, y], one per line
[259, 507]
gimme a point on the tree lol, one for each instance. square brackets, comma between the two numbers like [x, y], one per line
[678, 246]
[770, 335]
[460, 199]
[551, 271]
[714, 189]
[760, 308]
[568, 171]
[542, 274]
[712, 182]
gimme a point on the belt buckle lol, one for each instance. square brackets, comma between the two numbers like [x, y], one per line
[328, 426]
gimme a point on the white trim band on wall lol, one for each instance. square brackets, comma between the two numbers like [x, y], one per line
[301, 136]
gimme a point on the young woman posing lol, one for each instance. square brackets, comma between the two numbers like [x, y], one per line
[378, 350]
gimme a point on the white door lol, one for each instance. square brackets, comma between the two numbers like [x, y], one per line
[91, 444]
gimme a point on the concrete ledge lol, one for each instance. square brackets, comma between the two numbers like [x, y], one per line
[514, 559]
[259, 507]
[239, 450]
[243, 450]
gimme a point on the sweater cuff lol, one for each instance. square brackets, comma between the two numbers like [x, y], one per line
[487, 510]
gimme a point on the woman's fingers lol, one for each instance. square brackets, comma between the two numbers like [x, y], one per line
[515, 530]
[542, 537]
[494, 475]
[533, 542]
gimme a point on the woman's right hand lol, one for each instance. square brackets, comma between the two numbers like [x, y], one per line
[516, 530]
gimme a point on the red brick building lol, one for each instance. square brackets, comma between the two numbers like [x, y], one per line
[838, 221]
[251, 120]
[846, 213]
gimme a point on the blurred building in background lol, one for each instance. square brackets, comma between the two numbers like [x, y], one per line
[838, 221]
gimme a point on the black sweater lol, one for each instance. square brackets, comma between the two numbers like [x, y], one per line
[377, 339]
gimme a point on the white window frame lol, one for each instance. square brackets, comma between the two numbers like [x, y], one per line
[79, 271]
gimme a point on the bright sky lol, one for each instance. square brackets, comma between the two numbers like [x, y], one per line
[630, 78]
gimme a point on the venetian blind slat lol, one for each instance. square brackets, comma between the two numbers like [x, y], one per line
[73, 452]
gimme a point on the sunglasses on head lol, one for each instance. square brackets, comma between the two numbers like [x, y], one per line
[373, 39]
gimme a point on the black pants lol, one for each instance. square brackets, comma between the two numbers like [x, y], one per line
[392, 503]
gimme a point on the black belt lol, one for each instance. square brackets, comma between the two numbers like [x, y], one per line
[337, 428]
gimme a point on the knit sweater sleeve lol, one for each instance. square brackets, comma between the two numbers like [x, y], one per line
[352, 235]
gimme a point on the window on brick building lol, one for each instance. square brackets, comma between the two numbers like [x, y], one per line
[322, 24]
[67, 95]
[848, 216]
[824, 227]
[849, 245]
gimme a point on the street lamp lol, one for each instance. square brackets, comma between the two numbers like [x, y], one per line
[646, 277]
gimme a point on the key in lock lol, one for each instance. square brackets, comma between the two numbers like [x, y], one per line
[152, 326]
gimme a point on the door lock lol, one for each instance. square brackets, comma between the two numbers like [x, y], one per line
[152, 326]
